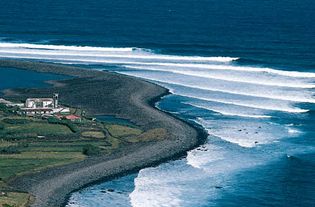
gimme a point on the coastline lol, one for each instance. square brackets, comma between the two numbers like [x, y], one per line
[52, 187]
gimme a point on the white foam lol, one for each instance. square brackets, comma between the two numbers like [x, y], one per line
[72, 52]
[57, 49]
[252, 105]
[225, 111]
[204, 155]
[234, 68]
[245, 133]
[260, 79]
[293, 131]
[232, 88]
[63, 47]
[166, 185]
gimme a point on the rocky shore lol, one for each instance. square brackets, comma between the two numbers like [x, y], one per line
[99, 93]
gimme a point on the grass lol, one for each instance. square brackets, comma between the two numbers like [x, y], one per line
[150, 135]
[119, 130]
[93, 134]
[26, 162]
[4, 143]
[34, 129]
[14, 199]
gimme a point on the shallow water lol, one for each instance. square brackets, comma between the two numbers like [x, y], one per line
[17, 78]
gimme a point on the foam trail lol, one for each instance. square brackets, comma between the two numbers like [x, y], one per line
[183, 65]
[57, 48]
[63, 47]
[51, 50]
[226, 112]
[126, 55]
[234, 68]
[79, 60]
[262, 79]
[228, 88]
[257, 106]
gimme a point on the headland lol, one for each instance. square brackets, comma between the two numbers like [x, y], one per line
[104, 93]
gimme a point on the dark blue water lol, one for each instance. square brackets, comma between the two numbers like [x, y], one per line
[17, 78]
[260, 116]
[267, 32]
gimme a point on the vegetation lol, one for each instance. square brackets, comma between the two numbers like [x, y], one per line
[93, 134]
[16, 121]
[91, 150]
[119, 130]
[33, 129]
[32, 144]
[9, 150]
[14, 199]
[67, 123]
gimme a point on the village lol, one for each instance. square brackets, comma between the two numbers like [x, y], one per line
[47, 118]
[42, 107]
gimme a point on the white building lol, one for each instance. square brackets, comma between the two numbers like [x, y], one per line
[34, 106]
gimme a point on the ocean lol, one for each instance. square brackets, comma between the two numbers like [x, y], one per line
[244, 70]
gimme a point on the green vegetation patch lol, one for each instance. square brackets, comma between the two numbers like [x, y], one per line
[17, 164]
[7, 109]
[67, 123]
[93, 134]
[91, 150]
[150, 135]
[16, 121]
[35, 129]
[5, 143]
[119, 130]
[14, 199]
[9, 150]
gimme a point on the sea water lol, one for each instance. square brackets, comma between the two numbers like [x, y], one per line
[244, 70]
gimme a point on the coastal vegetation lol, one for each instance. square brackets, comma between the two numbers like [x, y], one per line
[31, 144]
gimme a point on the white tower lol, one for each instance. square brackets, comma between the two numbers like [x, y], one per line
[55, 97]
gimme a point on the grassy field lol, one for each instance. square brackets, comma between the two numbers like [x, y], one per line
[29, 145]
[119, 130]
[14, 199]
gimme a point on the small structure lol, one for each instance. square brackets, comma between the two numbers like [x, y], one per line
[35, 106]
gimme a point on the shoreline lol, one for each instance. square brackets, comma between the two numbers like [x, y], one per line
[53, 187]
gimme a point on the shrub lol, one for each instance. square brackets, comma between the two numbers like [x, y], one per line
[9, 150]
[16, 121]
[3, 107]
[91, 150]
[6, 205]
[72, 127]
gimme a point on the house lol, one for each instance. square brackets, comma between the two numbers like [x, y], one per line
[35, 106]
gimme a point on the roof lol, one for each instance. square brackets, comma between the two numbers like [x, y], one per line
[72, 117]
[40, 99]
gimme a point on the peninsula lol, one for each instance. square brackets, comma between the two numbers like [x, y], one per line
[155, 136]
